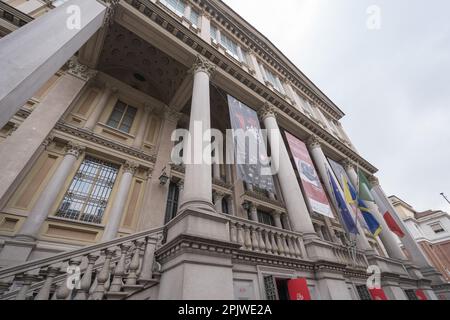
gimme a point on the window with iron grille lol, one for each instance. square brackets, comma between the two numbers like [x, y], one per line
[172, 202]
[89, 192]
[122, 117]
[363, 292]
[265, 218]
[270, 288]
[411, 294]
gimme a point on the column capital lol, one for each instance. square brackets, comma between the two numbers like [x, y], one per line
[314, 141]
[348, 164]
[149, 173]
[148, 108]
[48, 141]
[130, 167]
[79, 70]
[180, 184]
[374, 181]
[111, 6]
[202, 64]
[74, 149]
[219, 194]
[172, 115]
[267, 110]
[276, 214]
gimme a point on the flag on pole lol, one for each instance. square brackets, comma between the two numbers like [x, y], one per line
[347, 219]
[364, 187]
[370, 221]
[388, 216]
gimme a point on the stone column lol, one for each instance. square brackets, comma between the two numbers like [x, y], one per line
[416, 253]
[254, 212]
[321, 165]
[218, 197]
[19, 150]
[36, 217]
[117, 209]
[198, 182]
[292, 194]
[94, 117]
[140, 135]
[36, 51]
[180, 193]
[277, 219]
[386, 235]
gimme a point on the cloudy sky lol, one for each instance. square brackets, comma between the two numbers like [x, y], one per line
[393, 83]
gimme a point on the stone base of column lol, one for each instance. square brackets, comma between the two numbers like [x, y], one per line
[331, 284]
[196, 260]
[15, 252]
[198, 205]
[432, 274]
[393, 290]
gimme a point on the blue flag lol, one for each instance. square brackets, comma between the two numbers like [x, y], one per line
[347, 219]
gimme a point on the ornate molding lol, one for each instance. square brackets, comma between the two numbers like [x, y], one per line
[172, 115]
[267, 110]
[92, 137]
[202, 64]
[130, 167]
[348, 164]
[79, 70]
[111, 6]
[374, 181]
[74, 149]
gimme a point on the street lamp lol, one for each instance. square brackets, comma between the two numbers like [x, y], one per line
[163, 178]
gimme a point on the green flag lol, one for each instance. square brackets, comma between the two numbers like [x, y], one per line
[364, 187]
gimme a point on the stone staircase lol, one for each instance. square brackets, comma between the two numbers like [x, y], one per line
[123, 268]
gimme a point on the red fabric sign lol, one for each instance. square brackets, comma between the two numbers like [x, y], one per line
[421, 295]
[298, 289]
[377, 294]
[315, 194]
[395, 228]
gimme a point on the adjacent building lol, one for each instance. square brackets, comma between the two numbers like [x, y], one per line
[90, 95]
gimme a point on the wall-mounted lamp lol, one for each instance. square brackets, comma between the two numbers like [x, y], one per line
[163, 178]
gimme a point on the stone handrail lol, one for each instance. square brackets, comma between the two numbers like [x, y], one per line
[110, 270]
[349, 257]
[257, 237]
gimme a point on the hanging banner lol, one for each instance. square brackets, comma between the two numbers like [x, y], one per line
[298, 289]
[377, 294]
[315, 194]
[250, 150]
[421, 295]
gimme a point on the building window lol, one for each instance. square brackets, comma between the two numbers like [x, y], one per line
[273, 80]
[411, 294]
[89, 191]
[363, 292]
[172, 202]
[122, 117]
[176, 6]
[230, 45]
[265, 218]
[437, 228]
[194, 18]
[225, 206]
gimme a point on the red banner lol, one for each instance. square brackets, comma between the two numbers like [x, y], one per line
[377, 294]
[315, 194]
[298, 289]
[421, 295]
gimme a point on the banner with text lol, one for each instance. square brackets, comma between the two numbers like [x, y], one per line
[250, 149]
[315, 193]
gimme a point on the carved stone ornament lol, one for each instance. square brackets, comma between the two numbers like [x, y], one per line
[267, 110]
[74, 149]
[202, 64]
[374, 181]
[111, 6]
[348, 164]
[79, 70]
[314, 141]
[130, 167]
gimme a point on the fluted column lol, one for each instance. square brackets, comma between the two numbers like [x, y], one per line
[117, 208]
[198, 181]
[292, 194]
[94, 117]
[386, 235]
[30, 228]
[140, 135]
[36, 51]
[320, 162]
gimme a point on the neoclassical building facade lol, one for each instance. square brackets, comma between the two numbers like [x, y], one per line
[90, 94]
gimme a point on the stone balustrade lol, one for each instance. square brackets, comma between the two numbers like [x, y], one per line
[108, 271]
[256, 237]
[350, 257]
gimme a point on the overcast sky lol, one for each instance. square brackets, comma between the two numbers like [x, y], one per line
[393, 83]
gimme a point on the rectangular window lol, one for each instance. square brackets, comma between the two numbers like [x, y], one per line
[411, 294]
[194, 18]
[176, 6]
[172, 202]
[225, 208]
[363, 292]
[213, 31]
[265, 218]
[273, 80]
[437, 228]
[89, 191]
[122, 117]
[230, 45]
